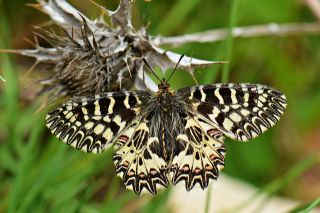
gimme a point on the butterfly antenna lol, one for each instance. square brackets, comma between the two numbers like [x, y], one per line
[175, 67]
[144, 60]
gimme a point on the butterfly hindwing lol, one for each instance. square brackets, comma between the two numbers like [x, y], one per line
[137, 160]
[92, 123]
[240, 111]
[199, 156]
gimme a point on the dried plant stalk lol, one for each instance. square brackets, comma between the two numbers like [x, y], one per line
[271, 29]
[92, 57]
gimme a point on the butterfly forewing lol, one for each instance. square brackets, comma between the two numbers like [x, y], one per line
[240, 111]
[92, 123]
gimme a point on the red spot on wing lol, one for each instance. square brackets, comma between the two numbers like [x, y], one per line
[214, 133]
[123, 138]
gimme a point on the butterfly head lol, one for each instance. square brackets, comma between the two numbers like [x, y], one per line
[164, 86]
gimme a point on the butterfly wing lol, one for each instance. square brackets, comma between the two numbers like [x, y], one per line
[92, 123]
[138, 159]
[240, 111]
[198, 155]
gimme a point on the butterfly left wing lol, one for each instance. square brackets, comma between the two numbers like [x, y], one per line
[240, 111]
[139, 160]
[92, 123]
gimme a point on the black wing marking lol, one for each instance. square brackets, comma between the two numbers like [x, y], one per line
[240, 111]
[92, 123]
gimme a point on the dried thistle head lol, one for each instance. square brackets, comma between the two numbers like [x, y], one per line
[92, 56]
[90, 65]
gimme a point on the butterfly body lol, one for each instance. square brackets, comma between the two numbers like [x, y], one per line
[165, 111]
[167, 136]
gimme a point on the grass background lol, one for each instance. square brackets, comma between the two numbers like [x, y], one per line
[39, 173]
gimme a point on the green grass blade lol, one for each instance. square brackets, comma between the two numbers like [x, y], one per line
[11, 87]
[119, 203]
[178, 13]
[158, 203]
[225, 72]
[229, 44]
[307, 207]
[86, 196]
[44, 174]
[311, 206]
[282, 181]
[7, 161]
[292, 174]
[208, 198]
[24, 166]
[110, 197]
[210, 75]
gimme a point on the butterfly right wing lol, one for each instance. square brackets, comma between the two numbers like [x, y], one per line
[198, 154]
[240, 111]
[92, 123]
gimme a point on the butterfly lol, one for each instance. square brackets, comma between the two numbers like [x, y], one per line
[168, 136]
